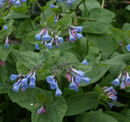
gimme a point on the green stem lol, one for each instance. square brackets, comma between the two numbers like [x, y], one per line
[103, 2]
[86, 12]
[29, 17]
[97, 103]
[41, 10]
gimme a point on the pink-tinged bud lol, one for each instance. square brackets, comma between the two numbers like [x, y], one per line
[74, 40]
[2, 63]
[112, 95]
[74, 35]
[69, 78]
[9, 2]
[23, 90]
[78, 84]
[121, 43]
[54, 41]
[43, 31]
[104, 87]
[120, 76]
[74, 31]
[67, 75]
[43, 111]
[127, 84]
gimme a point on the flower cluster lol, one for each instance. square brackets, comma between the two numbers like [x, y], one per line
[74, 76]
[69, 2]
[23, 81]
[17, 2]
[125, 80]
[46, 37]
[42, 110]
[111, 95]
[73, 33]
[54, 85]
[6, 45]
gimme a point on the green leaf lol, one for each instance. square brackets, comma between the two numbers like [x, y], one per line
[90, 4]
[28, 98]
[21, 68]
[101, 15]
[104, 97]
[95, 27]
[15, 16]
[126, 27]
[117, 33]
[45, 71]
[126, 113]
[66, 20]
[3, 73]
[98, 89]
[22, 8]
[31, 37]
[5, 51]
[77, 104]
[28, 58]
[96, 73]
[41, 98]
[65, 46]
[55, 56]
[117, 116]
[4, 88]
[56, 10]
[54, 113]
[94, 117]
[128, 7]
[50, 21]
[25, 46]
[102, 42]
[118, 104]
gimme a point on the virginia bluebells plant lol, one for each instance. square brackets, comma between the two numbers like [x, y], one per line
[73, 33]
[23, 81]
[111, 93]
[125, 80]
[74, 76]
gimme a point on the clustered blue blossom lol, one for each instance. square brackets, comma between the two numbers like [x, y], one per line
[74, 76]
[111, 95]
[23, 81]
[46, 37]
[17, 2]
[69, 2]
[73, 33]
[125, 80]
